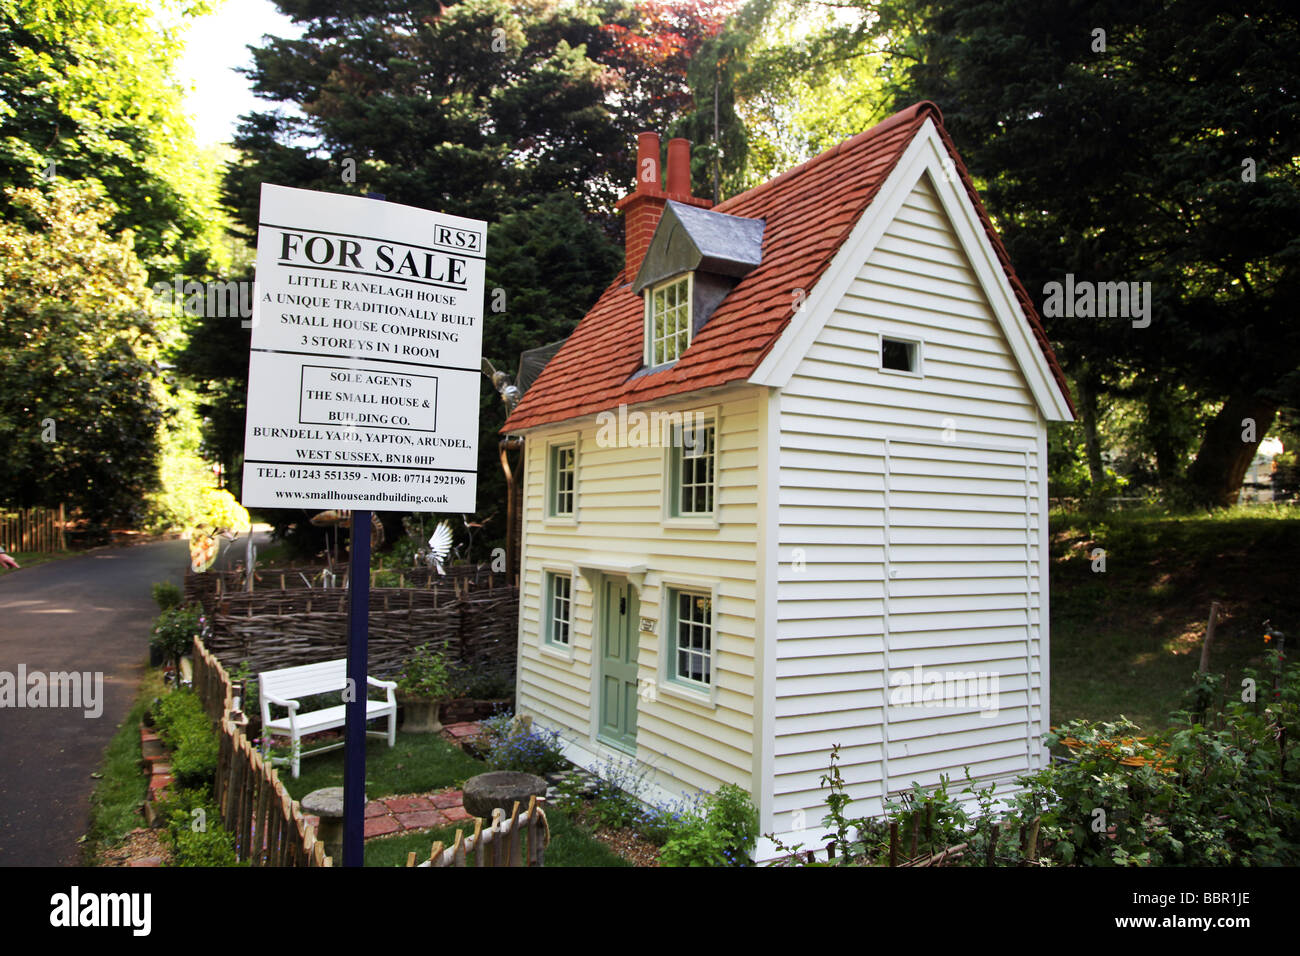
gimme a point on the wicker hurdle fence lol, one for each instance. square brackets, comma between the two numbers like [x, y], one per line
[269, 827]
[208, 587]
[474, 626]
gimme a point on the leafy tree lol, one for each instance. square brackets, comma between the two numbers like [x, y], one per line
[80, 405]
[674, 60]
[88, 97]
[550, 264]
[518, 113]
[1150, 141]
[87, 93]
[713, 122]
[791, 78]
[466, 108]
[1112, 139]
[213, 360]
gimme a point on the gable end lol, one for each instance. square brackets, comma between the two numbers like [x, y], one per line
[926, 155]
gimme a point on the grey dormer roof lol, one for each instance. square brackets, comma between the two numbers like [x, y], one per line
[690, 239]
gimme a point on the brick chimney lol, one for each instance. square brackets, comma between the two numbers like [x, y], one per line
[645, 204]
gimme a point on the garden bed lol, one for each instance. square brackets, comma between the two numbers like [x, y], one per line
[464, 709]
[624, 841]
[142, 847]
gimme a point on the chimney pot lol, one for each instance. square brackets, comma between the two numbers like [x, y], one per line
[679, 168]
[647, 163]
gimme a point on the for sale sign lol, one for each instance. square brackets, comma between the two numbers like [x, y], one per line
[363, 376]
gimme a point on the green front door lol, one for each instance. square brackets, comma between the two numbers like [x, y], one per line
[618, 680]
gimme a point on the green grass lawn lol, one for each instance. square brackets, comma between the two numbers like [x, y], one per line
[122, 788]
[1127, 641]
[571, 845]
[418, 764]
[421, 763]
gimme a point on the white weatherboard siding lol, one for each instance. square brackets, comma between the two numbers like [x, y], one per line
[931, 483]
[687, 743]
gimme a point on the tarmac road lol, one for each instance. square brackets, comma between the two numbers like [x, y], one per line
[91, 613]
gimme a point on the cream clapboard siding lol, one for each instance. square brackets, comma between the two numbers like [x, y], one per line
[863, 450]
[620, 506]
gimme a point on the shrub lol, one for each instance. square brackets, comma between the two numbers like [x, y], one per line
[387, 579]
[733, 812]
[249, 702]
[182, 723]
[660, 822]
[407, 546]
[1219, 788]
[695, 843]
[512, 746]
[936, 817]
[1196, 795]
[211, 847]
[618, 788]
[476, 684]
[167, 595]
[175, 629]
[195, 832]
[425, 674]
[723, 836]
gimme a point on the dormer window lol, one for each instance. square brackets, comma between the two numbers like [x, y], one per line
[695, 258]
[668, 321]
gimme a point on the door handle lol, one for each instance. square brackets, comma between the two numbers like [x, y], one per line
[622, 605]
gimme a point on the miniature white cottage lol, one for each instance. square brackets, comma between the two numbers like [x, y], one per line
[786, 487]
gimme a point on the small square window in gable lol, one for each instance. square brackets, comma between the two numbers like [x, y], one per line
[900, 355]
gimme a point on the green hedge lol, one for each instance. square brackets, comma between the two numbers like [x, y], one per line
[187, 730]
[195, 832]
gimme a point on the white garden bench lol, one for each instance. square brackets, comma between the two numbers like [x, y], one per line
[284, 687]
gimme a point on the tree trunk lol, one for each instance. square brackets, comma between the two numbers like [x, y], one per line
[1091, 443]
[1227, 449]
[1160, 422]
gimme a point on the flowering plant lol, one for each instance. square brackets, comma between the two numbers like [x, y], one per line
[425, 675]
[527, 749]
[174, 631]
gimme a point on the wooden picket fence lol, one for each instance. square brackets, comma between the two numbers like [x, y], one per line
[269, 827]
[33, 529]
[500, 844]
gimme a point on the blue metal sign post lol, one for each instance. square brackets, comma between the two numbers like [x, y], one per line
[354, 750]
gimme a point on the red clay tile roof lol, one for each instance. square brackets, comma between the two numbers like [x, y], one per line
[810, 211]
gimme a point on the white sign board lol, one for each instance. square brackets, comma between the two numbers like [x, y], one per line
[363, 377]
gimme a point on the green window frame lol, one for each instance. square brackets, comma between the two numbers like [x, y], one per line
[693, 464]
[668, 321]
[690, 621]
[559, 608]
[563, 480]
